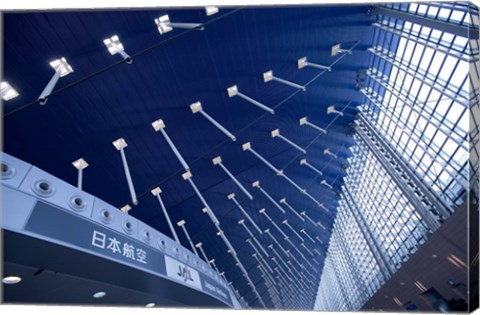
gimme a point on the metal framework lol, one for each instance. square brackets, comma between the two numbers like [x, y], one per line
[416, 146]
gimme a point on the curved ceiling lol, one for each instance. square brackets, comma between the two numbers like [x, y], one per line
[105, 99]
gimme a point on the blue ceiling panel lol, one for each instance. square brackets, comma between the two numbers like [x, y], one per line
[105, 99]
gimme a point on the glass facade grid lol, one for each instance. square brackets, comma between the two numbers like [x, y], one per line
[421, 97]
[421, 105]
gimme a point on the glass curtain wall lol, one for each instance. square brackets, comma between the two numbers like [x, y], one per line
[420, 96]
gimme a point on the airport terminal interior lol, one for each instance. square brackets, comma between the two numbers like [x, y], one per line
[315, 157]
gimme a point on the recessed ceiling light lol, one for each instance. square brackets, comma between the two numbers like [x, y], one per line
[211, 10]
[11, 280]
[113, 44]
[61, 66]
[151, 304]
[99, 295]
[7, 92]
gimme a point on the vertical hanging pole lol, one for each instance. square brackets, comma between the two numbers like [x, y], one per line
[337, 49]
[300, 189]
[164, 25]
[188, 176]
[212, 263]
[308, 236]
[181, 224]
[114, 47]
[324, 183]
[218, 161]
[267, 231]
[257, 185]
[120, 144]
[263, 211]
[318, 223]
[248, 147]
[304, 258]
[62, 68]
[232, 197]
[291, 228]
[304, 121]
[284, 201]
[156, 192]
[199, 245]
[304, 162]
[276, 133]
[268, 76]
[80, 165]
[303, 62]
[303, 245]
[332, 110]
[328, 152]
[233, 90]
[279, 257]
[197, 108]
[159, 125]
[260, 257]
[242, 222]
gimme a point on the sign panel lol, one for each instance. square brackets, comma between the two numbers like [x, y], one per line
[181, 272]
[216, 290]
[52, 222]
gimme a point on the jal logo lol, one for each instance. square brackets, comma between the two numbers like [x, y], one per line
[184, 272]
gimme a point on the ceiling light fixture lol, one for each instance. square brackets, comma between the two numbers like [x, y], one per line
[80, 164]
[233, 90]
[115, 47]
[337, 49]
[211, 10]
[164, 25]
[62, 68]
[120, 144]
[126, 208]
[268, 76]
[7, 92]
[11, 280]
[99, 295]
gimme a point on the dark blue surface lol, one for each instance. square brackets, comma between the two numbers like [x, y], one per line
[84, 119]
